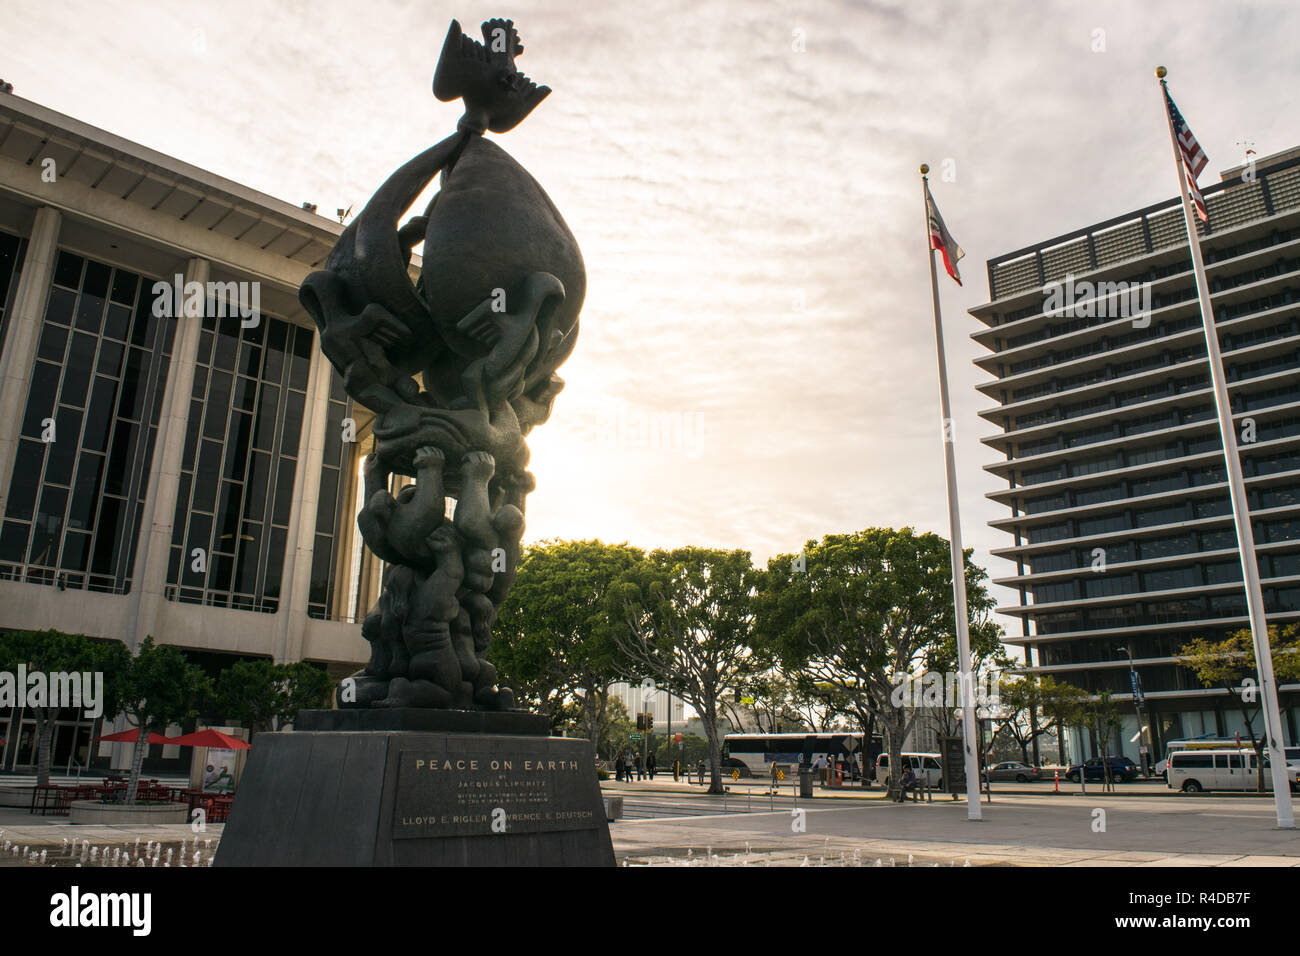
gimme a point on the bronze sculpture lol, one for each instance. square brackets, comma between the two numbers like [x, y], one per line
[493, 315]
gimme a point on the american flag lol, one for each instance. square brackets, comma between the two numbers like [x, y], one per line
[941, 238]
[1194, 158]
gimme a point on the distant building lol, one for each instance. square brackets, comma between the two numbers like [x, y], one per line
[189, 478]
[662, 705]
[1122, 535]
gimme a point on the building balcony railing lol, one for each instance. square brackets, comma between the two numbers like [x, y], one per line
[1262, 458]
[1174, 295]
[1187, 342]
[1126, 597]
[318, 612]
[1149, 623]
[233, 600]
[65, 580]
[1200, 435]
[1131, 404]
[1027, 549]
[1153, 377]
[1163, 271]
[1176, 307]
[1154, 562]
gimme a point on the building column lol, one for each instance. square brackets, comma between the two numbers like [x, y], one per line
[18, 360]
[302, 520]
[149, 574]
[345, 532]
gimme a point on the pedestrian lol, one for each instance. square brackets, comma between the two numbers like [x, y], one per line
[819, 765]
[700, 770]
[627, 765]
[651, 765]
[640, 768]
[618, 767]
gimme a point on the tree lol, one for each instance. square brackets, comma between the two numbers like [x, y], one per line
[1102, 715]
[51, 653]
[265, 696]
[686, 619]
[773, 702]
[1063, 705]
[860, 614]
[1229, 663]
[694, 748]
[553, 641]
[246, 692]
[158, 689]
[299, 686]
[1026, 698]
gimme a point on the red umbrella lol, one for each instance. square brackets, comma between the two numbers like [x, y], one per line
[131, 736]
[209, 738]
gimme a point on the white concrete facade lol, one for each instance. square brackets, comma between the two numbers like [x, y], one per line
[127, 206]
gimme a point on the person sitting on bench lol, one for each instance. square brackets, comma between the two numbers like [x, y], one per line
[908, 784]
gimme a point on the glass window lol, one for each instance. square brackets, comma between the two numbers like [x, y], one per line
[26, 480]
[83, 368]
[232, 435]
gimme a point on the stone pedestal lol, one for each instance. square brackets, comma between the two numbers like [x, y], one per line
[417, 788]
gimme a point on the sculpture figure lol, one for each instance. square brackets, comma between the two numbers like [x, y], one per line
[492, 316]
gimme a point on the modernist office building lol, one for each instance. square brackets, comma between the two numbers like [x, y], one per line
[128, 441]
[1122, 534]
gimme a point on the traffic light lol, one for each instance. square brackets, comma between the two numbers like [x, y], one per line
[640, 721]
[649, 721]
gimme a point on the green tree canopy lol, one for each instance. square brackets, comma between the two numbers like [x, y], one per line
[1230, 663]
[158, 689]
[54, 652]
[686, 618]
[553, 638]
[859, 613]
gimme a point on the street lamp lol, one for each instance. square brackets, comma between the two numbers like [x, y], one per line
[1143, 752]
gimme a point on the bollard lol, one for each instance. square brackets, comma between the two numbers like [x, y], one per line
[1057, 781]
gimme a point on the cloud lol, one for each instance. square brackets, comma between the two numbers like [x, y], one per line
[750, 215]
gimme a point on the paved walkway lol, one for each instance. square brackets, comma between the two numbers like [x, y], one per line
[1018, 831]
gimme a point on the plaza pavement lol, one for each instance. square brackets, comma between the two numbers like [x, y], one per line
[862, 828]
[1017, 830]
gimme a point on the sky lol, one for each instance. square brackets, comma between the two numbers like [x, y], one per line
[756, 365]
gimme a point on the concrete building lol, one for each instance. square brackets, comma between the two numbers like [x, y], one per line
[1122, 535]
[189, 478]
[666, 708]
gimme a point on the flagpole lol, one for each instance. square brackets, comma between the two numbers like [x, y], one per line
[1240, 503]
[967, 677]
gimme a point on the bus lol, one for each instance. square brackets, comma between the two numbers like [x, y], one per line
[757, 752]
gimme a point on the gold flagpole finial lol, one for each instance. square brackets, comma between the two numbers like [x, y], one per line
[1161, 72]
[925, 168]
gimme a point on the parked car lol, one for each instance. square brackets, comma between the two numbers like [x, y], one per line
[1121, 768]
[1192, 771]
[1011, 770]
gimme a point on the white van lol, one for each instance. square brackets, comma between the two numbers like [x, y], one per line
[1200, 743]
[1192, 771]
[928, 770]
